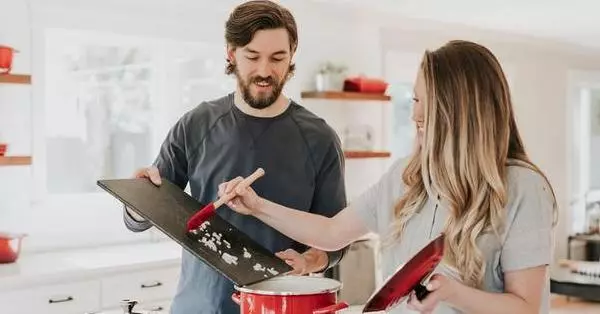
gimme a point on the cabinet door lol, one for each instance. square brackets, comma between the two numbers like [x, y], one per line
[157, 307]
[143, 286]
[69, 298]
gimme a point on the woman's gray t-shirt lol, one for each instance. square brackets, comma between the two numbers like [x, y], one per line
[527, 240]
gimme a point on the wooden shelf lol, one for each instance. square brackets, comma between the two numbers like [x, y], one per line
[15, 160]
[333, 95]
[15, 79]
[366, 154]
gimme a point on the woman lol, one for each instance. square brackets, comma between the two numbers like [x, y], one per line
[469, 178]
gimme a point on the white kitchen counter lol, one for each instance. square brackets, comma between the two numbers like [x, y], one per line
[68, 265]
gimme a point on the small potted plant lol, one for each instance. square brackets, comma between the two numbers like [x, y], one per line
[330, 77]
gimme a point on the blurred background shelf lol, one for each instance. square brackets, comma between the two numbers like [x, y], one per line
[366, 154]
[15, 160]
[15, 79]
[335, 95]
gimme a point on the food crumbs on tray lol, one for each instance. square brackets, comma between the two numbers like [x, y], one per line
[247, 254]
[258, 267]
[227, 244]
[273, 271]
[229, 259]
[209, 243]
[204, 225]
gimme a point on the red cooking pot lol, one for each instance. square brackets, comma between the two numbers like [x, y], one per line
[290, 295]
[6, 58]
[10, 246]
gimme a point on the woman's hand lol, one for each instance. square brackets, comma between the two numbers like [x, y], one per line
[441, 288]
[245, 201]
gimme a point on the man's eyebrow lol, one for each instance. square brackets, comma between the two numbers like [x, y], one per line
[280, 52]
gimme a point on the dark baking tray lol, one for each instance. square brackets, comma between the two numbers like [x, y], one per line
[168, 208]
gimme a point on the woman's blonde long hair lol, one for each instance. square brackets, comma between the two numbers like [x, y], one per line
[470, 138]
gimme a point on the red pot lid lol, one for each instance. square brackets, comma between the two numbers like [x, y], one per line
[407, 278]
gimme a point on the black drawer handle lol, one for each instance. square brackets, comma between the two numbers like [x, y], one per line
[67, 299]
[153, 285]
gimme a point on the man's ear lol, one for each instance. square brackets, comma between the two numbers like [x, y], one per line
[230, 54]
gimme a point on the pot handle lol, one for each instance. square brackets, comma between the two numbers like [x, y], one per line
[236, 298]
[332, 308]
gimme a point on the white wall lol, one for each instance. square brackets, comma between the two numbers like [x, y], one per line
[360, 38]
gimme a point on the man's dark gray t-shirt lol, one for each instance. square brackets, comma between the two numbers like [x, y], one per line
[216, 142]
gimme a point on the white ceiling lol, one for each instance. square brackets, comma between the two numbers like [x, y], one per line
[576, 21]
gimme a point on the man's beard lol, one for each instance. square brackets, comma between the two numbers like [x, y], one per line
[262, 100]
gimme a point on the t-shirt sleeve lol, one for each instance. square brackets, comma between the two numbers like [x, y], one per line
[529, 237]
[330, 191]
[376, 203]
[172, 161]
[172, 165]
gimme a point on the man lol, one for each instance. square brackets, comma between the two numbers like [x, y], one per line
[256, 126]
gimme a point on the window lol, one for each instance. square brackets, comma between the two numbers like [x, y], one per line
[111, 99]
[585, 151]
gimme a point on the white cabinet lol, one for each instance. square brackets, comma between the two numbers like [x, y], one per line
[142, 286]
[92, 280]
[359, 285]
[68, 298]
[157, 307]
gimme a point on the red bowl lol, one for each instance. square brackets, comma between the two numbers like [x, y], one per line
[365, 85]
[3, 148]
[10, 247]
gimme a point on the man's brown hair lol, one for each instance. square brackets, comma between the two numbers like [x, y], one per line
[252, 16]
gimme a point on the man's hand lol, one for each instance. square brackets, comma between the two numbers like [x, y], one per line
[150, 173]
[311, 261]
[154, 176]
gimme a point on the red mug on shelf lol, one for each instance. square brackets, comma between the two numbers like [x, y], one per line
[10, 246]
[6, 59]
[3, 149]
